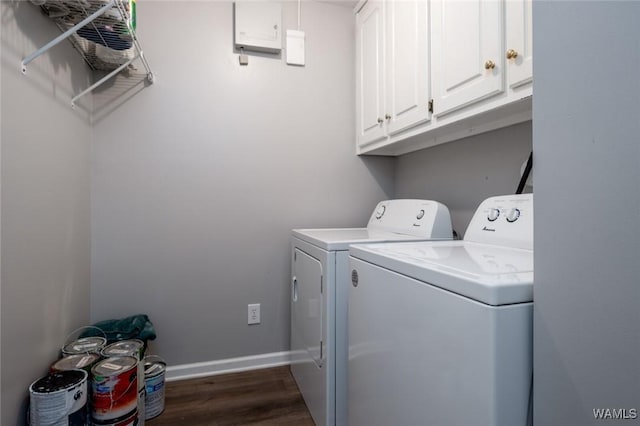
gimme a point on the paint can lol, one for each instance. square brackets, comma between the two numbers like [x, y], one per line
[114, 390]
[154, 374]
[133, 348]
[76, 362]
[59, 398]
[85, 345]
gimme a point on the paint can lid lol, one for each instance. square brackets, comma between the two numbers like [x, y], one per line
[58, 380]
[131, 347]
[154, 368]
[72, 362]
[114, 366]
[84, 345]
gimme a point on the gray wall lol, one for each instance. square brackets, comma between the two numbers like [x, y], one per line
[45, 203]
[463, 173]
[586, 117]
[198, 180]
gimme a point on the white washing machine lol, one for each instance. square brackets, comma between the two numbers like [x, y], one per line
[320, 287]
[440, 333]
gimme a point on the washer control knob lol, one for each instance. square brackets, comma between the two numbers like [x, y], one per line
[493, 215]
[420, 214]
[380, 211]
[513, 215]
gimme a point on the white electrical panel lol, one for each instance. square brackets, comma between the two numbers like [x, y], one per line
[258, 26]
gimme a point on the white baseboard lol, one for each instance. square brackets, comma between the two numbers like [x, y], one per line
[229, 365]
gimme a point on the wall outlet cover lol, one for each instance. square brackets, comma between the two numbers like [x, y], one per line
[253, 314]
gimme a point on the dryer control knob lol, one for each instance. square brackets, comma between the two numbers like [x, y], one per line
[420, 214]
[380, 211]
[513, 215]
[493, 215]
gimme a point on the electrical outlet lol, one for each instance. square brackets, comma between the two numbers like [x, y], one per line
[254, 314]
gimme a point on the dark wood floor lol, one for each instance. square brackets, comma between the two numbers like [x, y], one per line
[259, 397]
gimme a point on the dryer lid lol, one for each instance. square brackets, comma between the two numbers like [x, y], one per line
[338, 239]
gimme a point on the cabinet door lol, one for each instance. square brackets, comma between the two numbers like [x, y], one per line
[519, 46]
[370, 73]
[406, 64]
[467, 52]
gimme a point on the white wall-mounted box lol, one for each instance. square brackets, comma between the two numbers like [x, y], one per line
[258, 26]
[295, 47]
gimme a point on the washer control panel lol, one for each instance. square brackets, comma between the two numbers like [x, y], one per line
[422, 218]
[505, 220]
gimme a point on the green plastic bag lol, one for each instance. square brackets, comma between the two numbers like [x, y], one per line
[133, 327]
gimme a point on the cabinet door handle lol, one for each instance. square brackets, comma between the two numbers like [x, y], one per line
[489, 65]
[512, 54]
[388, 117]
[380, 120]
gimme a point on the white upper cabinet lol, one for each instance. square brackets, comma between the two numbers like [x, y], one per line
[407, 73]
[467, 59]
[434, 71]
[392, 81]
[519, 46]
[370, 73]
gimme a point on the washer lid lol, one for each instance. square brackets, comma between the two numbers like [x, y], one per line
[490, 274]
[335, 239]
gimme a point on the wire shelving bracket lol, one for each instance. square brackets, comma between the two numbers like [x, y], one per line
[94, 16]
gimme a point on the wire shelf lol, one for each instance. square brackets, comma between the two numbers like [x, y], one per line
[102, 31]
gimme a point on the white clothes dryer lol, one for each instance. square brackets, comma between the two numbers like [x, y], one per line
[320, 287]
[440, 333]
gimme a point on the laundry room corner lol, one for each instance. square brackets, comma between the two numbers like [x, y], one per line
[198, 180]
[319, 212]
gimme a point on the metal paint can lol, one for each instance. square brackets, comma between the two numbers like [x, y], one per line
[154, 374]
[76, 362]
[85, 345]
[59, 398]
[114, 390]
[133, 348]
